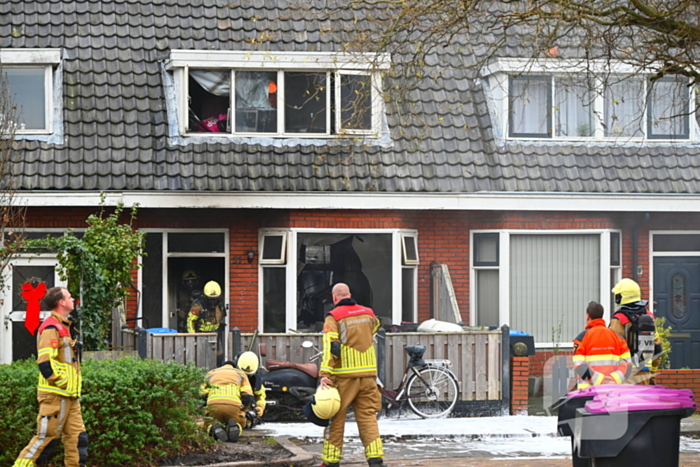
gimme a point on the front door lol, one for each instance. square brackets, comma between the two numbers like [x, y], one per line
[677, 297]
[16, 343]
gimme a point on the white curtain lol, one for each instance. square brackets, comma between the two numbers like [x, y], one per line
[552, 280]
[213, 81]
[573, 103]
[624, 107]
[529, 105]
[669, 108]
[252, 90]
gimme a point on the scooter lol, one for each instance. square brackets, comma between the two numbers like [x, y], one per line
[289, 385]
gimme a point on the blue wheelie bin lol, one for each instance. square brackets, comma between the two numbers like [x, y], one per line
[639, 427]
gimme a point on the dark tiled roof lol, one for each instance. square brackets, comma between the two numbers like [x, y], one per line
[116, 133]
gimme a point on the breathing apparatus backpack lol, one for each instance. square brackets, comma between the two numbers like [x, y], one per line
[640, 335]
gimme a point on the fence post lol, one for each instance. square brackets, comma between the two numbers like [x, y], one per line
[505, 369]
[236, 346]
[142, 339]
[381, 355]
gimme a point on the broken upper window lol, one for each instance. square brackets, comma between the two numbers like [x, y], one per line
[27, 82]
[280, 95]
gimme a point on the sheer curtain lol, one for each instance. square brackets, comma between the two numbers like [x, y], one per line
[529, 106]
[214, 81]
[668, 108]
[624, 107]
[573, 104]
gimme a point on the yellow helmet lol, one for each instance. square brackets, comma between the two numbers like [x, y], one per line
[326, 403]
[627, 291]
[248, 362]
[212, 289]
[189, 275]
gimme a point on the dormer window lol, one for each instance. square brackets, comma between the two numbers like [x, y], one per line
[28, 74]
[289, 94]
[561, 102]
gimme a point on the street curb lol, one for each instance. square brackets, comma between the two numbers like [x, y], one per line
[299, 456]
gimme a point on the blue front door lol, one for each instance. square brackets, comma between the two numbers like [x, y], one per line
[677, 297]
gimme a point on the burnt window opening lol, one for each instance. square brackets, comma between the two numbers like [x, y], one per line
[209, 101]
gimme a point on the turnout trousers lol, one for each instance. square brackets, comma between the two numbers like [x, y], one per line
[224, 412]
[366, 400]
[59, 417]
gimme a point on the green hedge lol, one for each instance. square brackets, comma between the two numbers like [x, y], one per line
[136, 412]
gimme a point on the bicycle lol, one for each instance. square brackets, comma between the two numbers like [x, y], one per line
[429, 386]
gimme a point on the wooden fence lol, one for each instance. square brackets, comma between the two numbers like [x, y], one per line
[477, 356]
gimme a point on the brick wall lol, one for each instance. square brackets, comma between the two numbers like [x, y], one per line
[519, 379]
[681, 379]
[443, 237]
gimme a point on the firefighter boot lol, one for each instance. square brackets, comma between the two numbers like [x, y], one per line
[376, 462]
[234, 430]
[218, 432]
[332, 464]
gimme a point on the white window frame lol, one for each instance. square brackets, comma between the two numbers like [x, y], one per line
[414, 236]
[36, 58]
[653, 254]
[181, 61]
[291, 270]
[165, 310]
[273, 233]
[504, 273]
[497, 79]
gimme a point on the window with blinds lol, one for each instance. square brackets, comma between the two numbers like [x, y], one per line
[552, 280]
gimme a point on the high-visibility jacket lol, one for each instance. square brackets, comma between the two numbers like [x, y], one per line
[600, 355]
[203, 319]
[259, 392]
[227, 385]
[59, 366]
[348, 341]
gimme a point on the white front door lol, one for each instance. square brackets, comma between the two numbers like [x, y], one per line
[16, 343]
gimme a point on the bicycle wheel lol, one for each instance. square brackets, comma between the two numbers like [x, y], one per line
[434, 394]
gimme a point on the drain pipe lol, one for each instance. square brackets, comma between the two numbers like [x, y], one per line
[635, 234]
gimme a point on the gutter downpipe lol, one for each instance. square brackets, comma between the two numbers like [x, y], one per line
[635, 235]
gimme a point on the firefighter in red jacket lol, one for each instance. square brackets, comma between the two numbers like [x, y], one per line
[350, 364]
[59, 387]
[600, 355]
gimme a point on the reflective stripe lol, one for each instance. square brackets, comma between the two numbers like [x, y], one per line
[331, 453]
[327, 356]
[227, 392]
[374, 449]
[597, 378]
[618, 376]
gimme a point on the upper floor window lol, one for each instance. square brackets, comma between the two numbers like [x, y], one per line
[28, 75]
[277, 95]
[562, 102]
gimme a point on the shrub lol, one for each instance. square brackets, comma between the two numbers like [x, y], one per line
[136, 412]
[663, 332]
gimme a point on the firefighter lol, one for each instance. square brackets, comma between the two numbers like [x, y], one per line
[350, 365]
[59, 387]
[207, 315]
[185, 296]
[249, 364]
[229, 391]
[635, 323]
[601, 356]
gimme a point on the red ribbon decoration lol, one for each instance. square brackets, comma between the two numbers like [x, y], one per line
[33, 296]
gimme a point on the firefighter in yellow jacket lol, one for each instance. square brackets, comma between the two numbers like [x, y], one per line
[248, 363]
[59, 386]
[229, 391]
[350, 364]
[207, 315]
